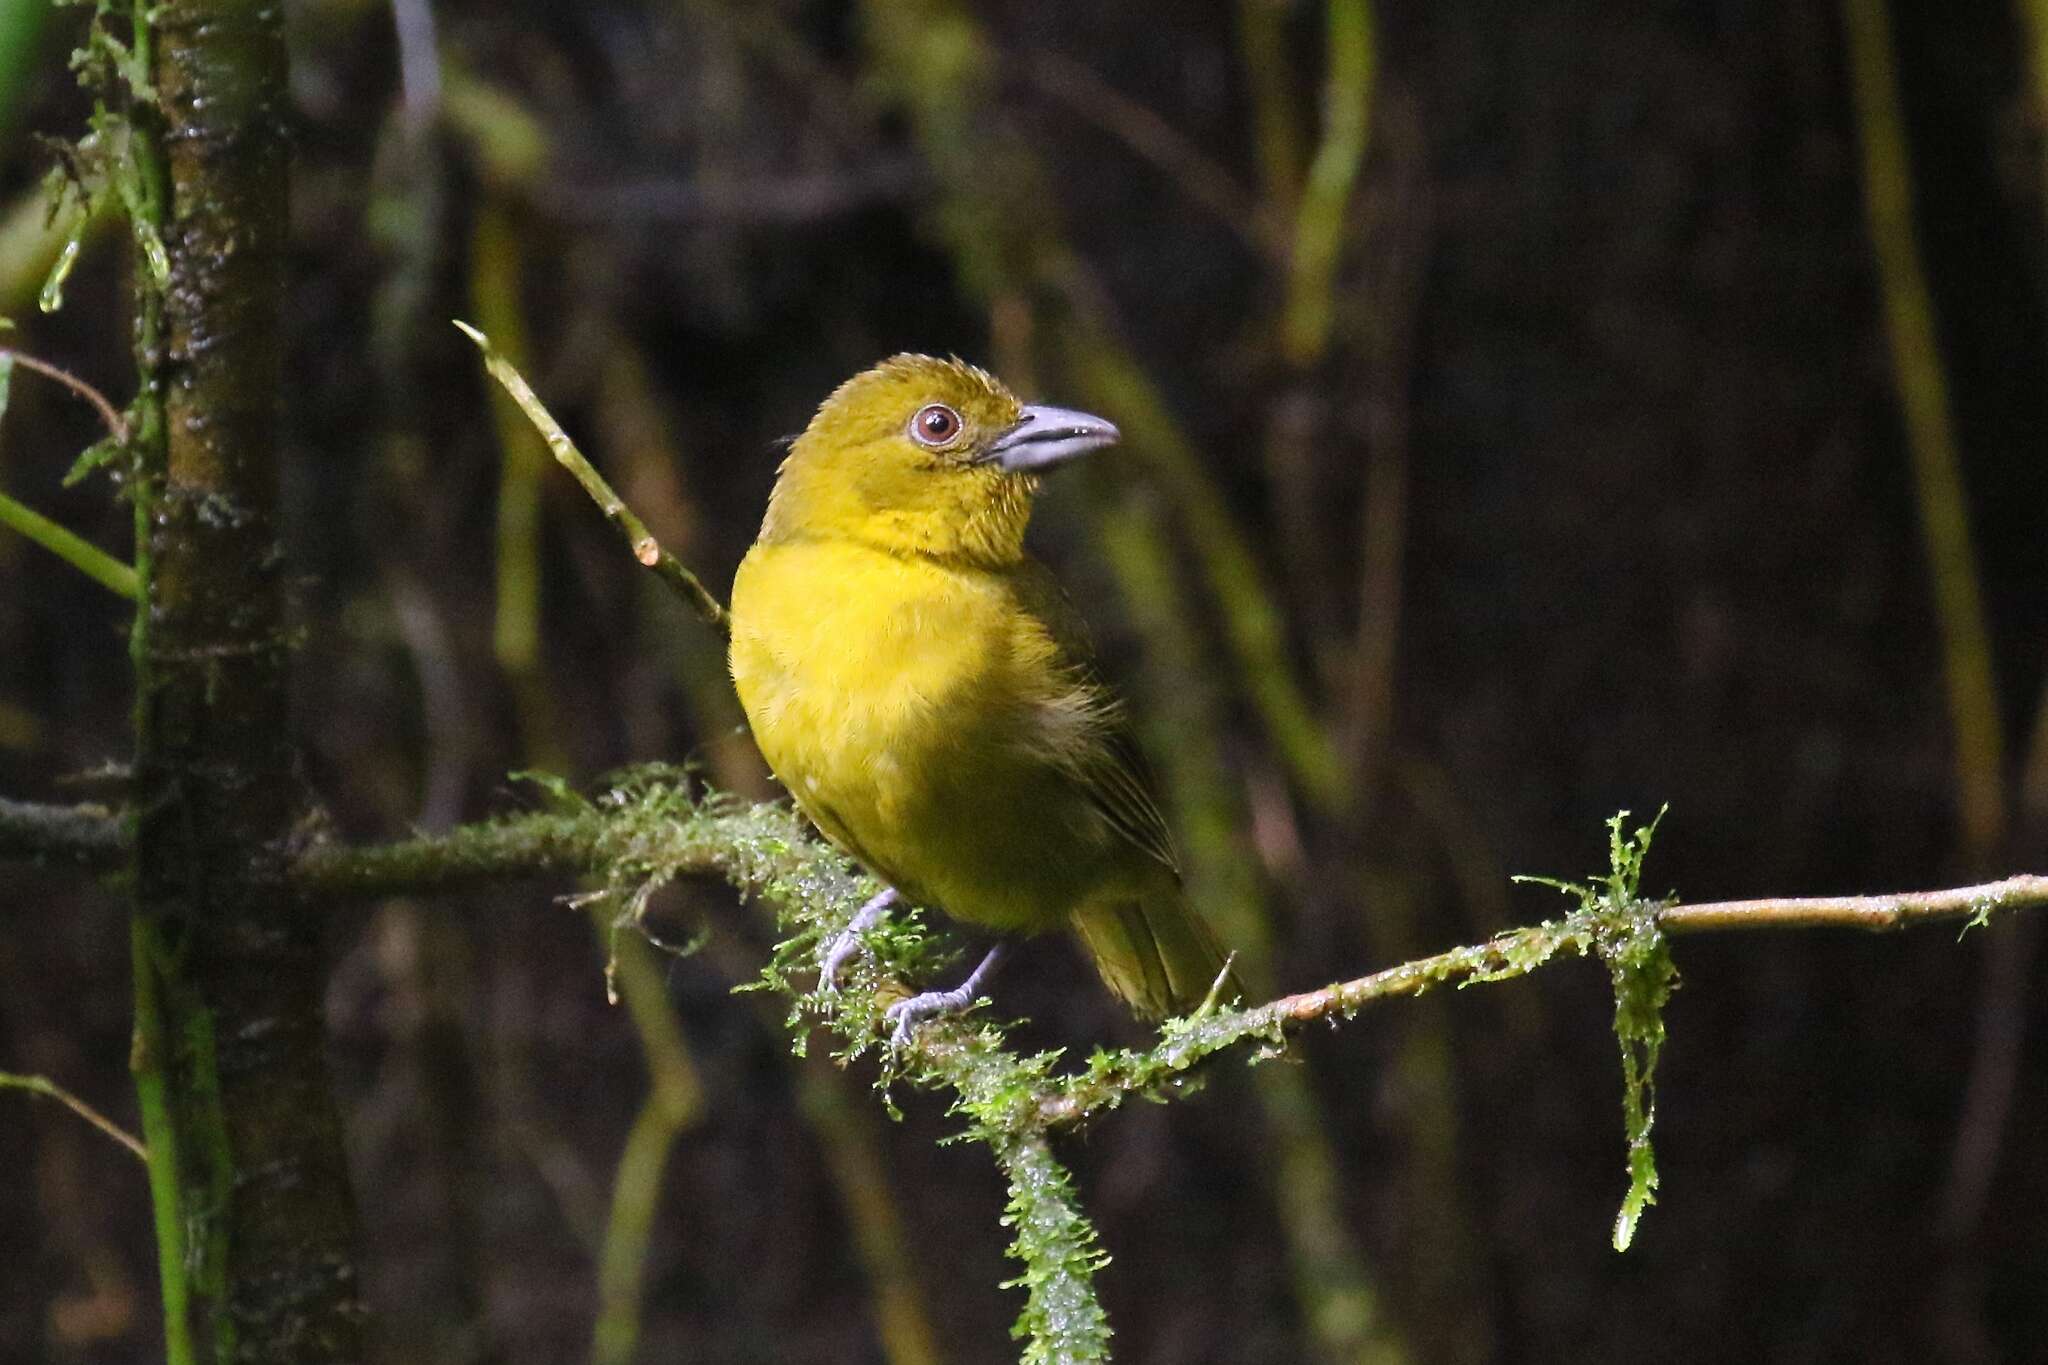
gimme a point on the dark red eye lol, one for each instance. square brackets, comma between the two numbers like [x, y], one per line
[935, 424]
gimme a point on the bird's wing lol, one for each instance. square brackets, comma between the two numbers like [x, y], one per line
[1103, 758]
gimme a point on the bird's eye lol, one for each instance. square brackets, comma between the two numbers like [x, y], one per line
[935, 424]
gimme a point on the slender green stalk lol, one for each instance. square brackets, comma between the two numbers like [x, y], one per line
[622, 1264]
[494, 292]
[80, 553]
[496, 258]
[1930, 427]
[150, 1059]
[1270, 74]
[674, 1103]
[1108, 377]
[148, 1062]
[1324, 218]
[1000, 219]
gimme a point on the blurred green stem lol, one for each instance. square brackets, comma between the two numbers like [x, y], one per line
[1269, 72]
[675, 1101]
[2033, 15]
[1930, 428]
[495, 260]
[21, 44]
[1106, 375]
[1000, 220]
[1324, 217]
[148, 1065]
[81, 554]
[1335, 1287]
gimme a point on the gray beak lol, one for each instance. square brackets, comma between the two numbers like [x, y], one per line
[1044, 437]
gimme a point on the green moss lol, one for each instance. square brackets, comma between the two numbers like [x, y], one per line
[1620, 927]
[649, 825]
[1062, 1320]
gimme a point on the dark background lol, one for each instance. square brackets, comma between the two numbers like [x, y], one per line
[1607, 402]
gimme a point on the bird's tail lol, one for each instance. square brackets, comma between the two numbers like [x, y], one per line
[1155, 952]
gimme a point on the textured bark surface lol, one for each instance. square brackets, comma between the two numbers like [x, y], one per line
[263, 1182]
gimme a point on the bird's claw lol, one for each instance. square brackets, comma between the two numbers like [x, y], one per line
[835, 958]
[906, 1015]
[849, 941]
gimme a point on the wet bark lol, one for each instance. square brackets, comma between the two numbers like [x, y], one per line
[236, 957]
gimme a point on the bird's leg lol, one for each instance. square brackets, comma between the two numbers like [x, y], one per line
[908, 1014]
[849, 941]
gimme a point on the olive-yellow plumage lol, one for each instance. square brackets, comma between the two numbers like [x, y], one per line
[920, 686]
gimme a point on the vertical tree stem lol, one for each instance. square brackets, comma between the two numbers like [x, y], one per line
[228, 996]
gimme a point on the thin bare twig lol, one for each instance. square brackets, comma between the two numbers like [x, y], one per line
[1194, 172]
[43, 1085]
[110, 416]
[1523, 950]
[644, 546]
[88, 558]
[1879, 914]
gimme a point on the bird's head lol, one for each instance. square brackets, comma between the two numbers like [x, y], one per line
[925, 456]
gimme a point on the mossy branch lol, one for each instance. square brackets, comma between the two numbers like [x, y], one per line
[651, 825]
[89, 837]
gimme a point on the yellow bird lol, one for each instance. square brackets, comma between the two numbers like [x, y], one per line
[920, 685]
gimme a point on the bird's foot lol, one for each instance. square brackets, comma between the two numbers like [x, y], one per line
[906, 1015]
[849, 941]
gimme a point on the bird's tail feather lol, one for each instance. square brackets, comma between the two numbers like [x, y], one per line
[1154, 952]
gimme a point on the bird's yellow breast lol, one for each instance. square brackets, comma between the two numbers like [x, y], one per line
[914, 712]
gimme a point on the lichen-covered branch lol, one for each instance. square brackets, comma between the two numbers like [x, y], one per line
[654, 824]
[89, 837]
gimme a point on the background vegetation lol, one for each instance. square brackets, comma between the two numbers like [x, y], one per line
[1532, 412]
